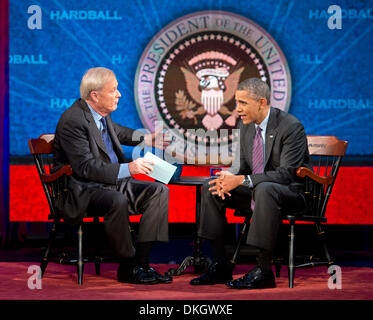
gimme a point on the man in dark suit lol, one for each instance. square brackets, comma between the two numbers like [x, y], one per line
[102, 182]
[262, 178]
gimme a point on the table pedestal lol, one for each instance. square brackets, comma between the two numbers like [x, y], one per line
[198, 261]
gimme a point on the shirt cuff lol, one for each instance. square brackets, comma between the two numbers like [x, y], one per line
[124, 171]
[250, 182]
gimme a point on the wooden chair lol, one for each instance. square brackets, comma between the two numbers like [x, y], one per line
[247, 214]
[327, 153]
[54, 186]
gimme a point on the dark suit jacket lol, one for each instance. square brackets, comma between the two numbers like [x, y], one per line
[78, 142]
[286, 149]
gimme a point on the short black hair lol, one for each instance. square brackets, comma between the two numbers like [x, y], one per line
[256, 87]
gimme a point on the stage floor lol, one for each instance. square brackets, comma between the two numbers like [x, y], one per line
[60, 283]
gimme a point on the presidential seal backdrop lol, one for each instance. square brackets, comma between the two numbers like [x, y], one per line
[188, 74]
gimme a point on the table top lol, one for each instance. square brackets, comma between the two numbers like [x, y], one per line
[190, 181]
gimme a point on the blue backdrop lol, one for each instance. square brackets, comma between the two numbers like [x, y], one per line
[331, 69]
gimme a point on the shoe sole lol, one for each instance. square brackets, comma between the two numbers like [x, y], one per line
[146, 283]
[165, 282]
[265, 286]
[134, 282]
[150, 282]
[211, 283]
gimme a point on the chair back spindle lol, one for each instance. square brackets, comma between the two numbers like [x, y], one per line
[328, 152]
[53, 183]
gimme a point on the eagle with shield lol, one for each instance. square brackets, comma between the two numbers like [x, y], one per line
[211, 80]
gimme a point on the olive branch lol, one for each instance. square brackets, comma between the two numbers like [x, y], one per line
[186, 107]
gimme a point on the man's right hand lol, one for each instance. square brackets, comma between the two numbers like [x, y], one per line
[140, 165]
[217, 188]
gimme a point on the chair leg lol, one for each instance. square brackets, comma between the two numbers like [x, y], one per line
[321, 233]
[238, 245]
[98, 266]
[52, 236]
[80, 265]
[278, 264]
[278, 261]
[291, 266]
[97, 258]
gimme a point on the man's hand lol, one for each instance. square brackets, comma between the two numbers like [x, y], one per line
[157, 139]
[223, 173]
[216, 189]
[140, 165]
[226, 182]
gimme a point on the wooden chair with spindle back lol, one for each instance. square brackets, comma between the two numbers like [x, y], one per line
[327, 153]
[55, 186]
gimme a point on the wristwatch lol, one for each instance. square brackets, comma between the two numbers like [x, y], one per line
[246, 181]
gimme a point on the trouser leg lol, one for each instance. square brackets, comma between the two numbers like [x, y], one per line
[137, 197]
[114, 208]
[270, 199]
[151, 200]
[213, 218]
[212, 215]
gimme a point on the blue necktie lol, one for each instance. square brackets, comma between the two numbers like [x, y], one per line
[108, 142]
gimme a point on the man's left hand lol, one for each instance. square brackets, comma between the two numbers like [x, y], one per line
[157, 139]
[224, 184]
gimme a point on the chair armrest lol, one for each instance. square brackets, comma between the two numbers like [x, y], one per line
[305, 172]
[65, 170]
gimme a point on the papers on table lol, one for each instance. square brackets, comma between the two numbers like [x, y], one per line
[162, 170]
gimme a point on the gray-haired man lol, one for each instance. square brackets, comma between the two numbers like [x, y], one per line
[101, 184]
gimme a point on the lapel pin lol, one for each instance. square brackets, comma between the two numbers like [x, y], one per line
[271, 136]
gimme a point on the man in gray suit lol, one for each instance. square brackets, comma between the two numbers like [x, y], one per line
[262, 178]
[102, 182]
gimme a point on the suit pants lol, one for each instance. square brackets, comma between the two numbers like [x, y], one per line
[270, 200]
[132, 197]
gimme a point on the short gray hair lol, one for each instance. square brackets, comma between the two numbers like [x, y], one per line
[94, 79]
[256, 87]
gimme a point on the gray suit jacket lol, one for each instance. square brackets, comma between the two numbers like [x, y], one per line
[286, 149]
[78, 142]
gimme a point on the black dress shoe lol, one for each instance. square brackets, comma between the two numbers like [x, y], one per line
[215, 274]
[159, 277]
[136, 275]
[255, 279]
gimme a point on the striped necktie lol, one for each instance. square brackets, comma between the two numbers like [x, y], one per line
[258, 156]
